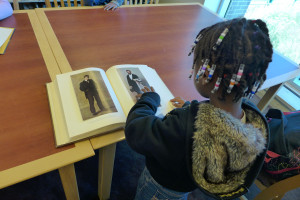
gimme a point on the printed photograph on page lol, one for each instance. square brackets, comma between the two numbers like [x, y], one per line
[133, 80]
[92, 95]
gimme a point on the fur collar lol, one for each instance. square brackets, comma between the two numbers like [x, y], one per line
[224, 148]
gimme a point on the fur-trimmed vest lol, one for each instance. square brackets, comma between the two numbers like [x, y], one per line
[224, 148]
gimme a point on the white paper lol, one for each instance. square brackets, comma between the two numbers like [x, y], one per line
[4, 34]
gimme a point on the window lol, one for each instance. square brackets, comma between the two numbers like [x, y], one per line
[283, 20]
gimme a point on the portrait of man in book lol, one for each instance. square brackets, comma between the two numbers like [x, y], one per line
[92, 95]
[134, 81]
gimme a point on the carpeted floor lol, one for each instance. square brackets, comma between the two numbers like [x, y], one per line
[128, 166]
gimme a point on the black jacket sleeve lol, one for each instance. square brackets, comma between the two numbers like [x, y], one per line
[129, 81]
[150, 135]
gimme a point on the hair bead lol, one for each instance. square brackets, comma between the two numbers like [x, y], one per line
[220, 39]
[254, 89]
[211, 73]
[195, 43]
[192, 72]
[217, 85]
[240, 73]
[232, 83]
[202, 70]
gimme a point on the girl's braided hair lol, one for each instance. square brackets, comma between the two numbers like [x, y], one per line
[247, 42]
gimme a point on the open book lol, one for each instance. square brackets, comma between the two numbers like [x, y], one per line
[89, 102]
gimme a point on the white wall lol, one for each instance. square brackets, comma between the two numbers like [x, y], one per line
[216, 6]
[212, 5]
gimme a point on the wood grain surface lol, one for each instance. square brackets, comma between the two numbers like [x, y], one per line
[158, 36]
[26, 132]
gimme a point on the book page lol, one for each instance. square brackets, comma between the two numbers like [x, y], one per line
[4, 39]
[4, 34]
[88, 101]
[128, 80]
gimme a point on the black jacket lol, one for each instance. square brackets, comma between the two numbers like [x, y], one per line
[88, 87]
[133, 84]
[167, 145]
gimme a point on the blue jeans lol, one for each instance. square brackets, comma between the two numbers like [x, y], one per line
[149, 189]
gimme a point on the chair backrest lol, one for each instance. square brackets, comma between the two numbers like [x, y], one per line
[16, 5]
[62, 3]
[135, 2]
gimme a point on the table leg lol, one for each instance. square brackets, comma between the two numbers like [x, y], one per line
[68, 179]
[268, 97]
[106, 166]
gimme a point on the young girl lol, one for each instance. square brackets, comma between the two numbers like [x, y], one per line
[5, 9]
[218, 145]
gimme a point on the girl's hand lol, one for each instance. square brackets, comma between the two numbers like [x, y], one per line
[146, 89]
[178, 102]
[110, 6]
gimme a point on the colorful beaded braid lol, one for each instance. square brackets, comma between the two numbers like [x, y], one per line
[231, 84]
[240, 73]
[195, 43]
[201, 72]
[217, 85]
[192, 72]
[254, 89]
[220, 39]
[213, 68]
[211, 73]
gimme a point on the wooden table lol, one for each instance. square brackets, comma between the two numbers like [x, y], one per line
[26, 133]
[159, 36]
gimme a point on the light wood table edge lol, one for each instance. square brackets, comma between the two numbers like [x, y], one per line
[107, 139]
[46, 51]
[57, 50]
[49, 163]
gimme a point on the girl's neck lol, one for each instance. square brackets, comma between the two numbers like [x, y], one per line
[234, 108]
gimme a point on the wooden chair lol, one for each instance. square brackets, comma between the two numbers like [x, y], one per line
[278, 189]
[16, 5]
[48, 4]
[135, 2]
